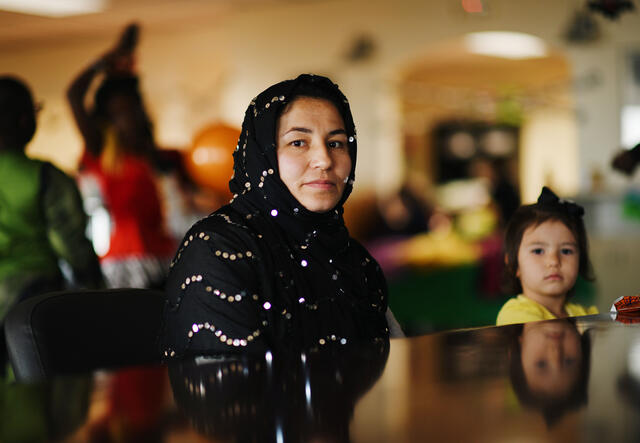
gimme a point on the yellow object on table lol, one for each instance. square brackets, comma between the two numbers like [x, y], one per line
[438, 248]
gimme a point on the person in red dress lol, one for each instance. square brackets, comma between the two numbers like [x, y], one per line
[122, 161]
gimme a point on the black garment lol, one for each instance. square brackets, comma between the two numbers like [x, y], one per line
[263, 271]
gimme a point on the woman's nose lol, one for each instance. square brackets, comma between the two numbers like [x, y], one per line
[320, 157]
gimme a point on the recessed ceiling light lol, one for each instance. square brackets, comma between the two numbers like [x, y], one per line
[53, 8]
[512, 45]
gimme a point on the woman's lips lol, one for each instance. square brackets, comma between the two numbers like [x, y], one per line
[553, 277]
[320, 184]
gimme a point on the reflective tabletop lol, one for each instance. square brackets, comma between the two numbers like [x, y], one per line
[575, 380]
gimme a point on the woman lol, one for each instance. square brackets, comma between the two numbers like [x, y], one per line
[276, 267]
[121, 157]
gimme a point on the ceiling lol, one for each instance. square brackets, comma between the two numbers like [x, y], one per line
[23, 29]
[449, 76]
[450, 63]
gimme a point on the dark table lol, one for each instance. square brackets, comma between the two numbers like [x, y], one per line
[564, 380]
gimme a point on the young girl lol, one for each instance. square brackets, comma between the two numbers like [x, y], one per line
[546, 249]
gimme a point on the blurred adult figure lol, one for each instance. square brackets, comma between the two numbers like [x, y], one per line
[42, 221]
[504, 194]
[122, 157]
[404, 213]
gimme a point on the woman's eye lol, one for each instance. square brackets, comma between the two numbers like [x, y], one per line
[297, 143]
[541, 364]
[537, 251]
[335, 144]
[567, 251]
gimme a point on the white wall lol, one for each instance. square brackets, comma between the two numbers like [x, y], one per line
[550, 157]
[193, 73]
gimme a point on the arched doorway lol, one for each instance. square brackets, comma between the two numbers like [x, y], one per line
[460, 102]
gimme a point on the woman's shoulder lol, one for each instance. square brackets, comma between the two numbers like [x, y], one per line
[224, 231]
[362, 255]
[358, 248]
[225, 221]
[214, 287]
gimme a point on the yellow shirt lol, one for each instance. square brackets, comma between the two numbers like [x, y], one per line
[521, 309]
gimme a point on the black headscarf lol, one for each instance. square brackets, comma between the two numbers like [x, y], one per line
[310, 283]
[256, 178]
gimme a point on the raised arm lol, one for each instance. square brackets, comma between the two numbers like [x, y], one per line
[118, 60]
[76, 95]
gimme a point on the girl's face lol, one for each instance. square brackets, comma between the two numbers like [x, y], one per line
[548, 261]
[313, 155]
[551, 357]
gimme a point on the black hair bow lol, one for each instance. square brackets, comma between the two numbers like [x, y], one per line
[548, 199]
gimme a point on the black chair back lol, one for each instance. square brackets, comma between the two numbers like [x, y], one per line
[78, 331]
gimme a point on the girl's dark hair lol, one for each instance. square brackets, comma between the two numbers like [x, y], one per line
[532, 216]
[552, 408]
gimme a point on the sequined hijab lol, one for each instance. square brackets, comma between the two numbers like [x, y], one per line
[256, 180]
[300, 281]
[325, 279]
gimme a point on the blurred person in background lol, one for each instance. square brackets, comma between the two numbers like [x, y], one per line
[504, 195]
[122, 166]
[42, 221]
[122, 159]
[404, 213]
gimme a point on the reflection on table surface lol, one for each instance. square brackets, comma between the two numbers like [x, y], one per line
[302, 397]
[562, 380]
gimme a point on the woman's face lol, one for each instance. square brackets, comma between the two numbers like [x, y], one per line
[313, 155]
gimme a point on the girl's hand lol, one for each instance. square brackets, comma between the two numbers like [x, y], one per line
[118, 63]
[121, 59]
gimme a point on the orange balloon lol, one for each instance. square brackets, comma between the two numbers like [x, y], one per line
[209, 161]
